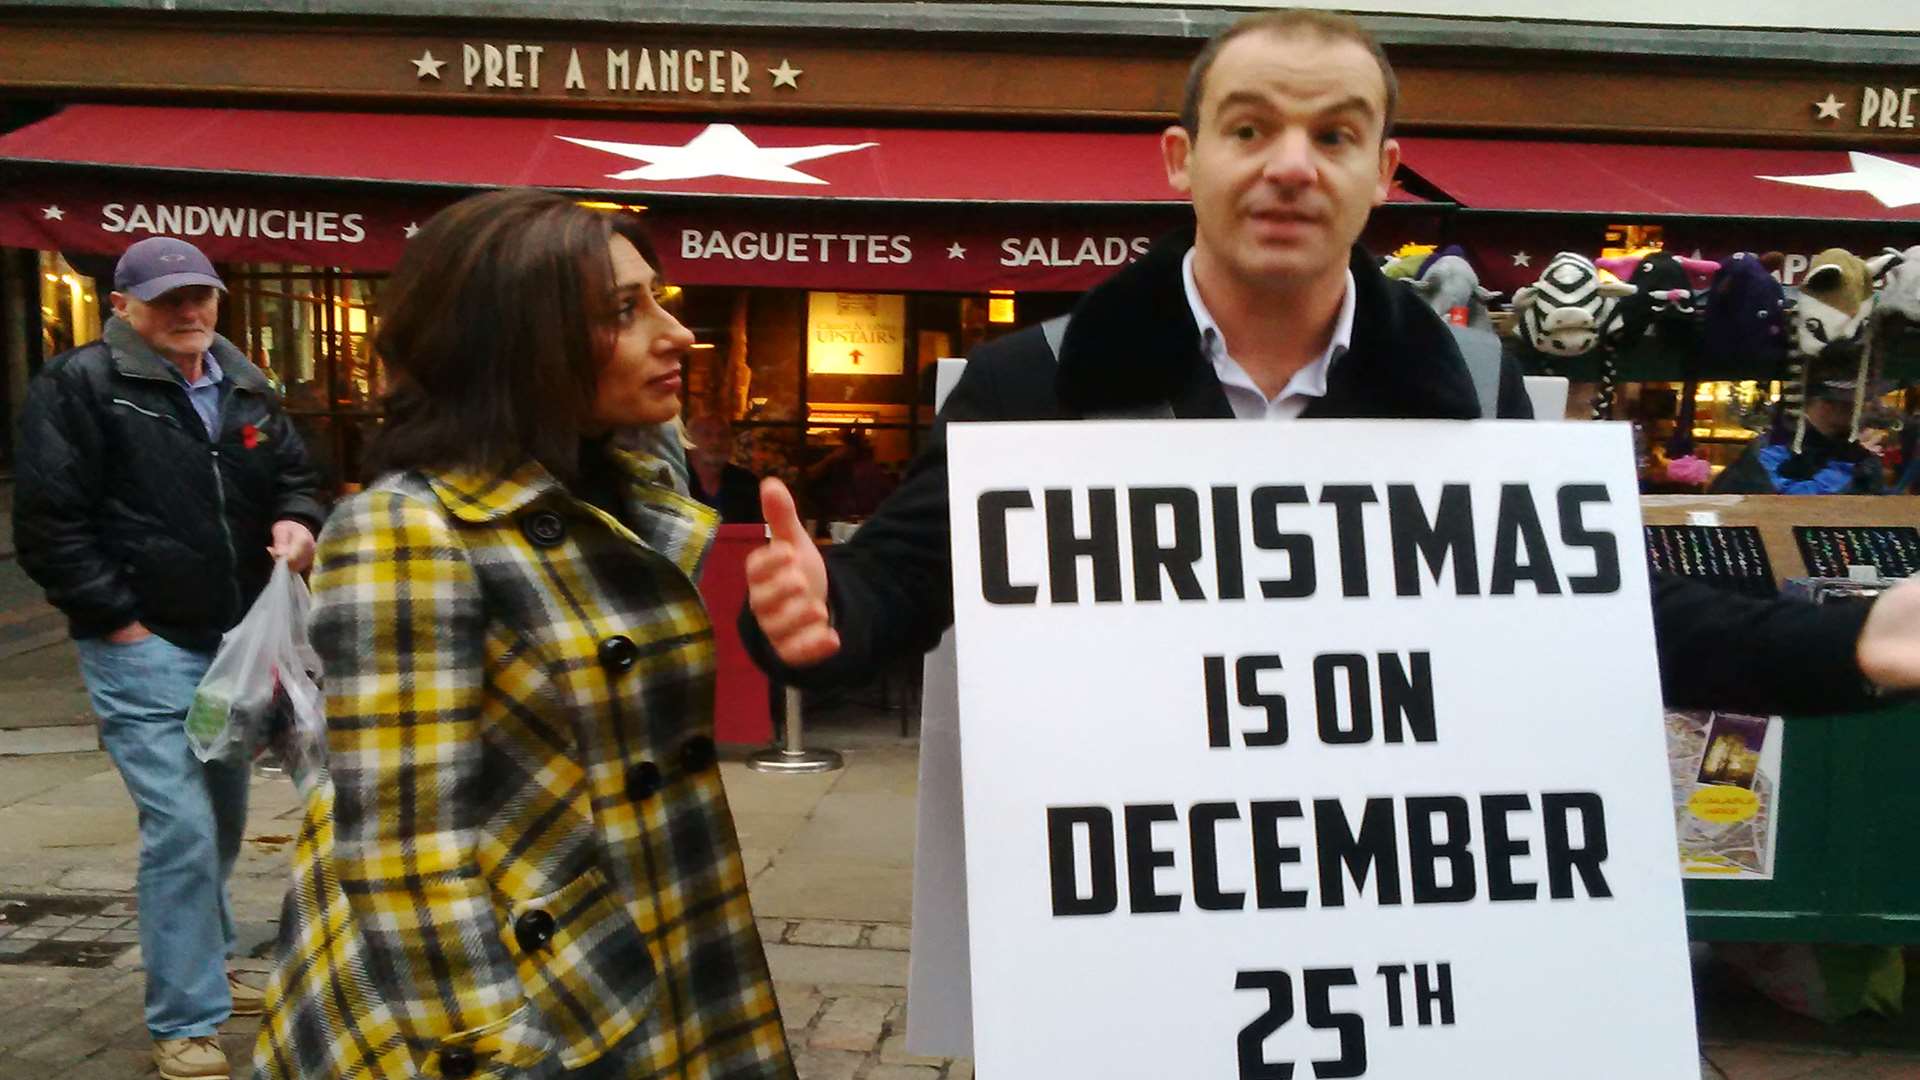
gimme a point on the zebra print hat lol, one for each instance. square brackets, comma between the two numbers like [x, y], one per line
[1566, 311]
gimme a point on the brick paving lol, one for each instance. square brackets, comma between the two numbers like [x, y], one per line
[851, 1032]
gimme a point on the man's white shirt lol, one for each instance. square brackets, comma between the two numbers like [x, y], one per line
[1248, 402]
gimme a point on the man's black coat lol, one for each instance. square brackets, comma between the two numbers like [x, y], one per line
[1133, 348]
[125, 510]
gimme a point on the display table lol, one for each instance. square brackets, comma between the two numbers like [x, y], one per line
[740, 712]
[1846, 867]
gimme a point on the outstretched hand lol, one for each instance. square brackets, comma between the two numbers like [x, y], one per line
[787, 584]
[1889, 647]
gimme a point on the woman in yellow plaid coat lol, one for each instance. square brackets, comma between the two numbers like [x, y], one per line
[520, 862]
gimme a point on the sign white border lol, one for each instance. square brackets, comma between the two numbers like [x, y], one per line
[1099, 704]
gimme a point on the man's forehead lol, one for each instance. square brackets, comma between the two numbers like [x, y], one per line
[1325, 70]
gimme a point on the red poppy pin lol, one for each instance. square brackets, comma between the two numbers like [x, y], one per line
[251, 436]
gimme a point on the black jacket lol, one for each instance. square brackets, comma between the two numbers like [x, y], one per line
[1133, 348]
[124, 510]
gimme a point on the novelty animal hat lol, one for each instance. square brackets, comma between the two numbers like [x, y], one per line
[1406, 261]
[1666, 299]
[1451, 287]
[1836, 298]
[1830, 322]
[1900, 289]
[1568, 311]
[1896, 331]
[1746, 319]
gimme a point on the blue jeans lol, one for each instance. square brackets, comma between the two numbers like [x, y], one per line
[192, 816]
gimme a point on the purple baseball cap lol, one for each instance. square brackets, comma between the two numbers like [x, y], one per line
[161, 264]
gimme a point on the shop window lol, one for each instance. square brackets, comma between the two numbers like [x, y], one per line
[860, 375]
[1626, 241]
[1726, 416]
[778, 366]
[311, 330]
[70, 306]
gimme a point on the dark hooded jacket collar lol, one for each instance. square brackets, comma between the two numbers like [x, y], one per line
[1133, 345]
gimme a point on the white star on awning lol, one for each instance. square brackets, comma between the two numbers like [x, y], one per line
[52, 213]
[1521, 258]
[720, 150]
[955, 251]
[1894, 183]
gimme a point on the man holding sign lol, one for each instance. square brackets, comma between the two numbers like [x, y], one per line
[1282, 774]
[1265, 311]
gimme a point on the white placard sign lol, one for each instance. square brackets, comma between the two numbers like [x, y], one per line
[1314, 750]
[940, 1023]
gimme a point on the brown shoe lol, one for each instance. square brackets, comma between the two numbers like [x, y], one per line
[247, 1000]
[190, 1059]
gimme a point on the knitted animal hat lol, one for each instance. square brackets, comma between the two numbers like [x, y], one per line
[1830, 319]
[1565, 311]
[1746, 320]
[1900, 290]
[1452, 289]
[1407, 261]
[1568, 311]
[1665, 296]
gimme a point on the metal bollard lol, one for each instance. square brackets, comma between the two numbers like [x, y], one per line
[792, 756]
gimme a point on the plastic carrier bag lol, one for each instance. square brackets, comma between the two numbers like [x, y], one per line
[263, 685]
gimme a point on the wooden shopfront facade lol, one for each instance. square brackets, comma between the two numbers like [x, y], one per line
[972, 166]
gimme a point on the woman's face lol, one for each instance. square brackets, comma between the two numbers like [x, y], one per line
[640, 382]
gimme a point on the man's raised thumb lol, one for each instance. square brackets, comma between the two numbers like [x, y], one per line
[776, 508]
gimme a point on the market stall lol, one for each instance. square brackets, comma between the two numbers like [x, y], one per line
[1813, 841]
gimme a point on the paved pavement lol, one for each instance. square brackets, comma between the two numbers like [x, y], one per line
[830, 865]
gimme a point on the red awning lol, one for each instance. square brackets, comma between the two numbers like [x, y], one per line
[1692, 181]
[964, 210]
[640, 157]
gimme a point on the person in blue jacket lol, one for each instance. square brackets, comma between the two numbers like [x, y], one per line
[1833, 457]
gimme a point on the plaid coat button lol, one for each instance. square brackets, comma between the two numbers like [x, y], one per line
[545, 529]
[457, 1063]
[696, 754]
[618, 653]
[533, 930]
[643, 779]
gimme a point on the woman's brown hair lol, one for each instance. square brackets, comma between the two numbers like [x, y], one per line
[494, 328]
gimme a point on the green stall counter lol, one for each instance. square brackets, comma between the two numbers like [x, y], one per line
[1847, 866]
[1847, 851]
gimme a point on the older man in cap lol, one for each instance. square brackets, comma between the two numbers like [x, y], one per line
[157, 481]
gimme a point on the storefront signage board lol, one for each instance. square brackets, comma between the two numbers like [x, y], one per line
[670, 68]
[1328, 749]
[1898, 15]
[367, 229]
[922, 249]
[1889, 106]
